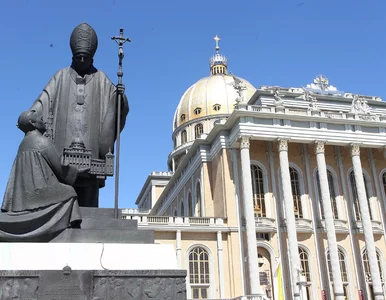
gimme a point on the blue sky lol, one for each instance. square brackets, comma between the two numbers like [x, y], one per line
[269, 42]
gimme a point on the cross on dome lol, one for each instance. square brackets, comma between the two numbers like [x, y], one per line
[217, 39]
[218, 62]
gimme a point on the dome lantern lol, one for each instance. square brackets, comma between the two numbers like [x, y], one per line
[218, 63]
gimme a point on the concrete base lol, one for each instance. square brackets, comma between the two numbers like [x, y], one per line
[87, 256]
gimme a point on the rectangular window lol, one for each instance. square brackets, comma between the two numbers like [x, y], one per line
[199, 292]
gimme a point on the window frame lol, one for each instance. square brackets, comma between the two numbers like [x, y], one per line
[211, 285]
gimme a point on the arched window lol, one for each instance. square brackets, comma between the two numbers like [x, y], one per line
[182, 209]
[199, 278]
[258, 191]
[198, 130]
[343, 271]
[355, 196]
[197, 110]
[175, 212]
[332, 195]
[189, 205]
[305, 271]
[216, 107]
[198, 200]
[183, 137]
[366, 267]
[296, 193]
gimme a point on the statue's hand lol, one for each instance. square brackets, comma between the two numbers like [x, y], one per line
[120, 89]
[83, 170]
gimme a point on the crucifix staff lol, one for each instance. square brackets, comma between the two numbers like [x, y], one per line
[120, 90]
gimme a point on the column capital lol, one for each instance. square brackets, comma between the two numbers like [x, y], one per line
[244, 142]
[282, 144]
[319, 146]
[355, 149]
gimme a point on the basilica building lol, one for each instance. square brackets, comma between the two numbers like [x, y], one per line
[276, 192]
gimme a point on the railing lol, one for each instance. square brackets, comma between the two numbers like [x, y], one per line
[161, 173]
[127, 211]
[200, 221]
[302, 225]
[260, 297]
[307, 112]
[265, 223]
[156, 219]
[182, 221]
[377, 226]
[340, 225]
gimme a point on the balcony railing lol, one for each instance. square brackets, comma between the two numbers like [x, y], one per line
[177, 221]
[302, 225]
[252, 298]
[377, 226]
[306, 112]
[265, 224]
[241, 298]
[340, 225]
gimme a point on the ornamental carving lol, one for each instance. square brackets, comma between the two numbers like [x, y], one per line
[110, 288]
[355, 149]
[359, 105]
[278, 97]
[244, 142]
[240, 87]
[282, 144]
[21, 288]
[319, 147]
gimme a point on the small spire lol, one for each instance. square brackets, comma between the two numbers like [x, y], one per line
[217, 39]
[218, 63]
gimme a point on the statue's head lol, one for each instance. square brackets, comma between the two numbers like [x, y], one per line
[30, 120]
[83, 43]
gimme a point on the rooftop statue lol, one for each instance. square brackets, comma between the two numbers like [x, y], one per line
[79, 106]
[39, 200]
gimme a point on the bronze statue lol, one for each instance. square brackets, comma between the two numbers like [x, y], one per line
[39, 199]
[79, 106]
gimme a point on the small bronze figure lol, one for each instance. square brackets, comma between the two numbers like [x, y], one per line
[39, 200]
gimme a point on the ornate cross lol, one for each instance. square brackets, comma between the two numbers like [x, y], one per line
[321, 81]
[216, 38]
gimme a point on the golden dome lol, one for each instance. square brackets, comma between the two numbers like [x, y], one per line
[210, 96]
[213, 95]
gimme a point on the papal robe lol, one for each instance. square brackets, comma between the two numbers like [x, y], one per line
[81, 107]
[85, 109]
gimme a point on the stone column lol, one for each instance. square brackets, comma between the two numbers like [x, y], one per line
[178, 248]
[220, 264]
[366, 222]
[329, 221]
[235, 166]
[290, 217]
[278, 209]
[253, 266]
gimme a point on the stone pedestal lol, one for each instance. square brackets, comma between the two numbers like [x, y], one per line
[105, 259]
[99, 226]
[68, 284]
[70, 271]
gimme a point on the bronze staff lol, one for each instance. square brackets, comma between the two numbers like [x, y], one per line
[120, 88]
